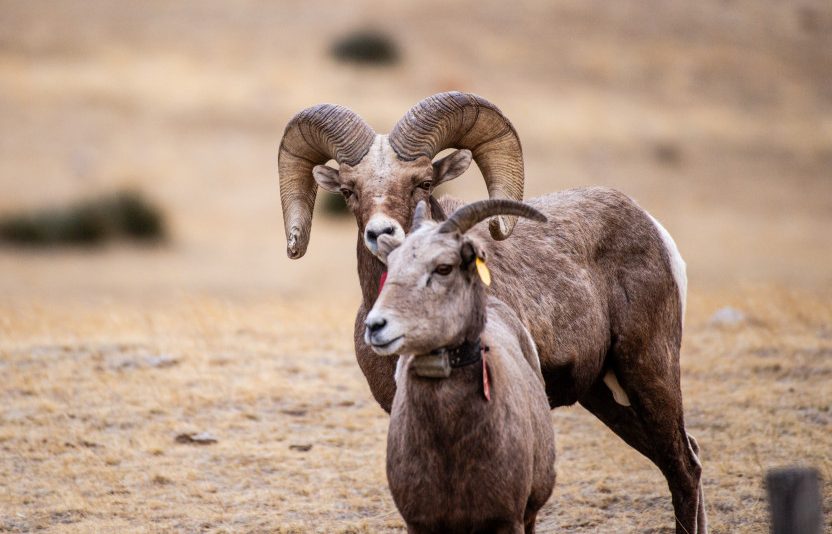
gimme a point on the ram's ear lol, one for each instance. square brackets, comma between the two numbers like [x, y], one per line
[386, 244]
[451, 166]
[327, 178]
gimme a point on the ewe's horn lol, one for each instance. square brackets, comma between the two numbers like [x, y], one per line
[419, 215]
[436, 211]
[467, 216]
[464, 120]
[313, 137]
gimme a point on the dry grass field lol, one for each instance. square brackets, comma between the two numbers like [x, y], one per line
[96, 393]
[715, 115]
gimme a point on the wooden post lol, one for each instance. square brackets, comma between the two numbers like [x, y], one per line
[794, 500]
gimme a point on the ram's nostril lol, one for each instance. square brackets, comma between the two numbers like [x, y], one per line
[372, 235]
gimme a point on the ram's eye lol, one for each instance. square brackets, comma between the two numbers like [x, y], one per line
[426, 185]
[346, 192]
[443, 269]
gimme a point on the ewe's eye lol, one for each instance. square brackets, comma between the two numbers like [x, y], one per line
[425, 185]
[443, 269]
[346, 192]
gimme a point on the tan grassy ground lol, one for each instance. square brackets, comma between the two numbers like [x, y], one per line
[716, 116]
[89, 424]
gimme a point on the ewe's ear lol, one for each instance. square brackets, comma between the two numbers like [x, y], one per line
[469, 251]
[451, 166]
[386, 244]
[327, 177]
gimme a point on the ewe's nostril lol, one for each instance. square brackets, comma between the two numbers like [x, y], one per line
[376, 324]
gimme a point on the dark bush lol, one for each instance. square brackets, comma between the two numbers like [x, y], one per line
[334, 205]
[139, 219]
[667, 153]
[123, 215]
[369, 47]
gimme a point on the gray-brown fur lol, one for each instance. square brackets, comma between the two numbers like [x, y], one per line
[457, 462]
[595, 288]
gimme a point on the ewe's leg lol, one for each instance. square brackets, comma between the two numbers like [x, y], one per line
[378, 370]
[515, 527]
[529, 522]
[654, 425]
[418, 529]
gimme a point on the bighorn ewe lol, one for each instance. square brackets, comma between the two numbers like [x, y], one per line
[600, 287]
[470, 446]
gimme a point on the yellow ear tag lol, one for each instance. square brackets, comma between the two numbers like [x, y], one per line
[482, 270]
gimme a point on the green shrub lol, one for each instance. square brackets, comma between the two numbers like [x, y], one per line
[369, 47]
[333, 205]
[122, 215]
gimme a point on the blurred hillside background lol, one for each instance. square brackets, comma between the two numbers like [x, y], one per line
[715, 115]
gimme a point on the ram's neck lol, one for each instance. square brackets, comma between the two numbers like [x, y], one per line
[370, 269]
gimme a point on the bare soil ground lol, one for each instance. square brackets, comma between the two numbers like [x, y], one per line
[716, 116]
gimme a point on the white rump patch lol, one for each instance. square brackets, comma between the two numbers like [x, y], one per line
[618, 392]
[677, 264]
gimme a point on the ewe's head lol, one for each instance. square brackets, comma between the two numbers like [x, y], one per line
[433, 296]
[384, 177]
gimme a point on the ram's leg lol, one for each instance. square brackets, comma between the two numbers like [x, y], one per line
[701, 516]
[378, 370]
[653, 424]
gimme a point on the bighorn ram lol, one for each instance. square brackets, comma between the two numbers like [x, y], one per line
[470, 446]
[601, 287]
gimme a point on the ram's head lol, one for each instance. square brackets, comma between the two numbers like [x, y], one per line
[383, 177]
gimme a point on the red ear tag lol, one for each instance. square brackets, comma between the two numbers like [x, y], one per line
[486, 388]
[381, 281]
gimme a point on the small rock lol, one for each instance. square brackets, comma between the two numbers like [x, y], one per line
[727, 316]
[161, 361]
[201, 438]
[302, 447]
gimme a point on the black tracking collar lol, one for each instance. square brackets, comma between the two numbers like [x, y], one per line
[468, 353]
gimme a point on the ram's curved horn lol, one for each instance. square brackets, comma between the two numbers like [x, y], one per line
[464, 120]
[467, 216]
[313, 137]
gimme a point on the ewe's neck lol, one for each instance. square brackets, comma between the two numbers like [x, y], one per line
[478, 314]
